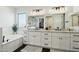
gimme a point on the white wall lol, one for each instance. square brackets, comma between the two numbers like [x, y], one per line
[7, 18]
[69, 10]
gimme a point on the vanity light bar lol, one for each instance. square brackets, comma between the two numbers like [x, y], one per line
[37, 10]
[58, 7]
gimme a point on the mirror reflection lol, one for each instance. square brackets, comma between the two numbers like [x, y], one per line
[75, 20]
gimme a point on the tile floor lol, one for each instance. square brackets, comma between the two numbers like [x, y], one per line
[30, 48]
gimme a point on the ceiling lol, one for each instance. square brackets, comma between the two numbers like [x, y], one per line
[32, 7]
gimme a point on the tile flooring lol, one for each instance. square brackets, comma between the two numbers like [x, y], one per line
[30, 48]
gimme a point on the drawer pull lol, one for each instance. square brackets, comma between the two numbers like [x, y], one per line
[46, 38]
[45, 44]
[75, 41]
[45, 34]
[75, 48]
[60, 38]
[76, 35]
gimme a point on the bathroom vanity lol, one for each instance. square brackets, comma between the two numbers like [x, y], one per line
[62, 40]
[57, 31]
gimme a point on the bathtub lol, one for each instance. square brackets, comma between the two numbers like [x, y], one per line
[10, 38]
[12, 42]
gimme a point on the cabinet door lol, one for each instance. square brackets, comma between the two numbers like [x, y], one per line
[61, 42]
[34, 38]
[65, 43]
[55, 42]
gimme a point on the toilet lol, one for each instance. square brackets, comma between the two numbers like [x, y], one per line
[31, 48]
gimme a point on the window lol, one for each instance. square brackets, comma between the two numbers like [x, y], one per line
[22, 19]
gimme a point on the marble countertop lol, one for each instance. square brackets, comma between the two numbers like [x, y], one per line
[65, 31]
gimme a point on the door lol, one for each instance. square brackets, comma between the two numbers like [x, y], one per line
[55, 42]
[61, 42]
[65, 43]
[34, 38]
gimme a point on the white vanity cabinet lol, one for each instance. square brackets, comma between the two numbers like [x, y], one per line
[46, 39]
[75, 42]
[61, 41]
[34, 38]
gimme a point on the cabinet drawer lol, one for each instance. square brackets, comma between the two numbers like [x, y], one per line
[75, 47]
[34, 33]
[75, 36]
[46, 39]
[25, 37]
[34, 37]
[25, 42]
[46, 34]
[46, 44]
[74, 39]
[61, 34]
[25, 32]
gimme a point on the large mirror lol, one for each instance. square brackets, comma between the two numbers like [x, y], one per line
[35, 22]
[75, 20]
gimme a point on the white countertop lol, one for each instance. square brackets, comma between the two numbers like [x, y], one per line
[52, 31]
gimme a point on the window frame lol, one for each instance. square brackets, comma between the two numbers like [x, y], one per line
[17, 18]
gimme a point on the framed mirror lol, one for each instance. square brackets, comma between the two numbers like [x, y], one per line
[75, 20]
